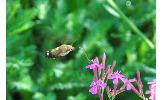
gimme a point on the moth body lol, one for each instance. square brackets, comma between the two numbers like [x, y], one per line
[60, 51]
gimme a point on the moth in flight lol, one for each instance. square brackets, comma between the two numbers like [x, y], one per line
[60, 51]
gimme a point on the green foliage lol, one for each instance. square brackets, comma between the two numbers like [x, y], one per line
[34, 26]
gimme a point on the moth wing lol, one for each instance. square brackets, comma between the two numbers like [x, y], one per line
[55, 52]
[64, 53]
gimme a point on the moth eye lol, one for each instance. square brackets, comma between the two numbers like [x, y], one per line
[47, 53]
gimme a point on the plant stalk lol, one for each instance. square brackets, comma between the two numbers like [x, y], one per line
[130, 23]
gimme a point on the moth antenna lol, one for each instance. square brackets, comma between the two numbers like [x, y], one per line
[77, 39]
[86, 55]
[73, 42]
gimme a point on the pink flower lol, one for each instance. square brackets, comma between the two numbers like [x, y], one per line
[116, 76]
[152, 90]
[128, 84]
[95, 64]
[95, 85]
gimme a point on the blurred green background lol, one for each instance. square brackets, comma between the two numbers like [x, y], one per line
[125, 31]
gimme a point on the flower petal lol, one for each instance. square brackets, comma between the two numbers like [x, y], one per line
[93, 90]
[93, 83]
[115, 81]
[128, 87]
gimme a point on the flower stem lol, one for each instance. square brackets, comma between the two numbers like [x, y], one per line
[113, 97]
[100, 96]
[130, 23]
[109, 97]
[143, 96]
